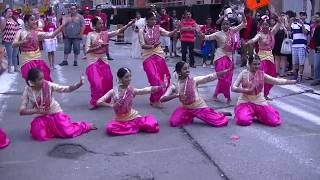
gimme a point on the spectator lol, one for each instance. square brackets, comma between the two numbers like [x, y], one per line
[280, 59]
[50, 44]
[300, 30]
[174, 22]
[164, 23]
[154, 10]
[136, 47]
[38, 18]
[188, 30]
[87, 22]
[316, 38]
[208, 47]
[9, 26]
[73, 32]
[245, 35]
[104, 18]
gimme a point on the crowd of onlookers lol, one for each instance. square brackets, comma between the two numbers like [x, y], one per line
[303, 36]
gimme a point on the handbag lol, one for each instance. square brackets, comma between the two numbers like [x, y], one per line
[286, 47]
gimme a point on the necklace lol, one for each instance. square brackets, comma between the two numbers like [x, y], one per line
[150, 30]
[35, 99]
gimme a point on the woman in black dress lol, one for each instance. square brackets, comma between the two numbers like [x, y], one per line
[279, 59]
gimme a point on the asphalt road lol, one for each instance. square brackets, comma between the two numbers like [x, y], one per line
[194, 152]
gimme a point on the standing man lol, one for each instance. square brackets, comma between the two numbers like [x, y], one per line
[316, 40]
[300, 29]
[174, 22]
[87, 23]
[154, 10]
[73, 32]
[36, 14]
[188, 31]
[165, 24]
[104, 18]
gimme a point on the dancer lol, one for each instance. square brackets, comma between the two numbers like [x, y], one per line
[4, 141]
[136, 47]
[51, 121]
[154, 58]
[265, 39]
[98, 70]
[193, 104]
[128, 120]
[252, 102]
[28, 40]
[223, 56]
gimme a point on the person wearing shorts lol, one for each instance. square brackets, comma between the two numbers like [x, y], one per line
[300, 29]
[73, 35]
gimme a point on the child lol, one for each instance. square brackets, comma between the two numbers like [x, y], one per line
[208, 46]
[128, 120]
[98, 70]
[193, 104]
[28, 41]
[50, 44]
[252, 102]
[4, 141]
[51, 121]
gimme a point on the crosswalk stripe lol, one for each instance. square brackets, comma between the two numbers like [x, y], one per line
[302, 113]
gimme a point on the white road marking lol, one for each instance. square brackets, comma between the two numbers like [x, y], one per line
[285, 146]
[62, 80]
[301, 113]
[7, 81]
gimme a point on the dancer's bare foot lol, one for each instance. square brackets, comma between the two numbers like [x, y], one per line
[107, 105]
[268, 99]
[93, 127]
[156, 105]
[92, 107]
[215, 98]
[227, 113]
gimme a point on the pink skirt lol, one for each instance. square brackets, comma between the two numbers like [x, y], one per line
[183, 116]
[146, 124]
[224, 82]
[156, 68]
[245, 112]
[57, 125]
[40, 64]
[4, 141]
[101, 81]
[269, 68]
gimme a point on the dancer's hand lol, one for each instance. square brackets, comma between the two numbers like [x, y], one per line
[81, 82]
[251, 89]
[156, 45]
[42, 110]
[165, 82]
[202, 35]
[222, 73]
[291, 81]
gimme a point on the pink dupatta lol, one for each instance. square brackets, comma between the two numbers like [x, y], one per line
[44, 100]
[187, 92]
[102, 38]
[152, 36]
[123, 102]
[32, 43]
[256, 80]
